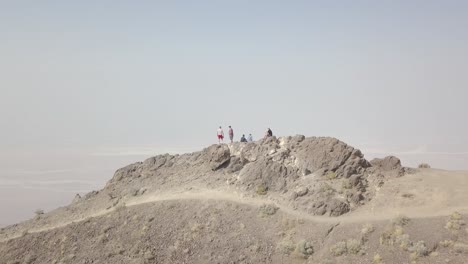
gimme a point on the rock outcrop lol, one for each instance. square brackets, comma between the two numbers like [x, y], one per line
[318, 175]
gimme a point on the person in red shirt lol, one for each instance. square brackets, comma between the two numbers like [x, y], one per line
[220, 135]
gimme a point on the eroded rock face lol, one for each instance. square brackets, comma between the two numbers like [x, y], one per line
[272, 175]
[280, 165]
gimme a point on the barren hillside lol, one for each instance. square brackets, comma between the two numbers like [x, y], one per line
[279, 200]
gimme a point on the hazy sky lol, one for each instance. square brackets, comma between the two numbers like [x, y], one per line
[117, 74]
[104, 78]
[84, 80]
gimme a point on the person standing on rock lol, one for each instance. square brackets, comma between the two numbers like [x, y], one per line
[231, 134]
[250, 138]
[268, 133]
[220, 135]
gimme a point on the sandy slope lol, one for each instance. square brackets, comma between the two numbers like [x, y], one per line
[218, 226]
[427, 193]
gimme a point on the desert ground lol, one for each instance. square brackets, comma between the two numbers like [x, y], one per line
[278, 200]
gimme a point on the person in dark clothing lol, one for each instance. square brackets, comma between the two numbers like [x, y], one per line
[243, 139]
[270, 133]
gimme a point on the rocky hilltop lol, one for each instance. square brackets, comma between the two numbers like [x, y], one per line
[277, 200]
[321, 176]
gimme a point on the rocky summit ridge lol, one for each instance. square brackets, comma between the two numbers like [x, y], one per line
[319, 175]
[267, 201]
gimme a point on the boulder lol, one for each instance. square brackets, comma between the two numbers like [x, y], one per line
[264, 172]
[337, 207]
[387, 164]
[217, 156]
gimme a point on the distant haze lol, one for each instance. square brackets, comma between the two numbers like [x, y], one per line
[89, 86]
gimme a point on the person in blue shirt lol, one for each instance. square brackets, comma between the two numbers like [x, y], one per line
[243, 139]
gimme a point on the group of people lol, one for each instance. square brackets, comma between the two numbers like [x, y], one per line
[220, 135]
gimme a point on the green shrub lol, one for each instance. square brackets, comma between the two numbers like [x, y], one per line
[305, 248]
[339, 248]
[330, 175]
[261, 190]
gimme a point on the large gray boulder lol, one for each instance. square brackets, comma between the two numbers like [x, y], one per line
[325, 154]
[267, 173]
[388, 163]
[217, 156]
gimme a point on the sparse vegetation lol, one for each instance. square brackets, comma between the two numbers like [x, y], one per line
[185, 221]
[367, 229]
[455, 222]
[395, 234]
[377, 259]
[267, 210]
[401, 220]
[446, 243]
[351, 246]
[331, 175]
[289, 224]
[403, 241]
[304, 248]
[326, 188]
[196, 228]
[418, 249]
[261, 190]
[339, 248]
[424, 166]
[346, 184]
[286, 246]
[38, 214]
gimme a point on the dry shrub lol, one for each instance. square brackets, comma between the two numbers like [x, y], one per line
[377, 259]
[286, 246]
[418, 249]
[351, 246]
[395, 234]
[267, 210]
[304, 248]
[455, 222]
[261, 190]
[331, 175]
[403, 241]
[424, 166]
[346, 184]
[339, 248]
[367, 229]
[401, 220]
[446, 243]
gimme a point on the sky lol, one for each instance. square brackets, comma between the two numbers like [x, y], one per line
[89, 86]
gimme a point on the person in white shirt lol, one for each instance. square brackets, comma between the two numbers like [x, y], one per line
[250, 138]
[220, 134]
